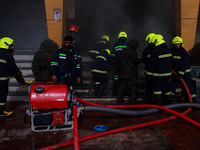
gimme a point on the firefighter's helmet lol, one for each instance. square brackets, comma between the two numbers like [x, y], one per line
[122, 34]
[149, 37]
[157, 39]
[106, 37]
[6, 42]
[177, 40]
[74, 28]
[108, 51]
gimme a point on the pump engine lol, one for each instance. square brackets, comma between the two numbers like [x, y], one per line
[51, 107]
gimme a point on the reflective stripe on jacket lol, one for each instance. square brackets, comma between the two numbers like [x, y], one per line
[181, 61]
[98, 47]
[8, 67]
[100, 63]
[160, 64]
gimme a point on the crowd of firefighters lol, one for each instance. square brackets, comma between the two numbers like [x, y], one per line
[159, 62]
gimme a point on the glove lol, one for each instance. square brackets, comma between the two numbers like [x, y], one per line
[20, 79]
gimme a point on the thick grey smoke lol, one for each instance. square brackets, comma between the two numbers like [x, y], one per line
[136, 17]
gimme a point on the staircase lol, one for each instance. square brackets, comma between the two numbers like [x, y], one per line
[24, 60]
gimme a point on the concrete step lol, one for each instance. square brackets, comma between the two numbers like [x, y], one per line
[13, 80]
[23, 57]
[24, 62]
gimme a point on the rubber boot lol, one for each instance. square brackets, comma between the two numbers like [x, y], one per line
[158, 99]
[5, 114]
[21, 81]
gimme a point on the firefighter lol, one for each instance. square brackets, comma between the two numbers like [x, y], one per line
[145, 59]
[8, 69]
[160, 70]
[65, 66]
[100, 72]
[181, 65]
[117, 48]
[128, 72]
[99, 46]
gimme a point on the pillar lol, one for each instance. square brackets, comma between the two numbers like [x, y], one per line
[186, 16]
[56, 29]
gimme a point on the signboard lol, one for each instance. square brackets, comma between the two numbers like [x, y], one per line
[56, 14]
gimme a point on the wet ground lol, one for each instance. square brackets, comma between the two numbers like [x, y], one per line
[173, 135]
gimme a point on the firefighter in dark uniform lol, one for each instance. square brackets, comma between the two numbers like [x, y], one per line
[160, 70]
[100, 72]
[117, 48]
[8, 68]
[145, 59]
[99, 46]
[128, 72]
[181, 65]
[65, 66]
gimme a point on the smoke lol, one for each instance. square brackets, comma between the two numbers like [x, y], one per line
[136, 17]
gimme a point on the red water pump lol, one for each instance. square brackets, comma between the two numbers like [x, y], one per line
[51, 107]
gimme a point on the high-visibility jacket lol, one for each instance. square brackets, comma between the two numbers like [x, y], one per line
[181, 61]
[8, 67]
[100, 64]
[181, 65]
[98, 47]
[146, 56]
[58, 65]
[160, 64]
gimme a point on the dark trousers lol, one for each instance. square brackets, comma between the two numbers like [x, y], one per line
[69, 80]
[3, 98]
[127, 84]
[161, 86]
[115, 87]
[188, 80]
[101, 82]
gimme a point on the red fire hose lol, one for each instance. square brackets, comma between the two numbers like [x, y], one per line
[76, 142]
[128, 127]
[132, 126]
[185, 86]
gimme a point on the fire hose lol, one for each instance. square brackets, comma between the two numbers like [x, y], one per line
[134, 126]
[76, 142]
[125, 128]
